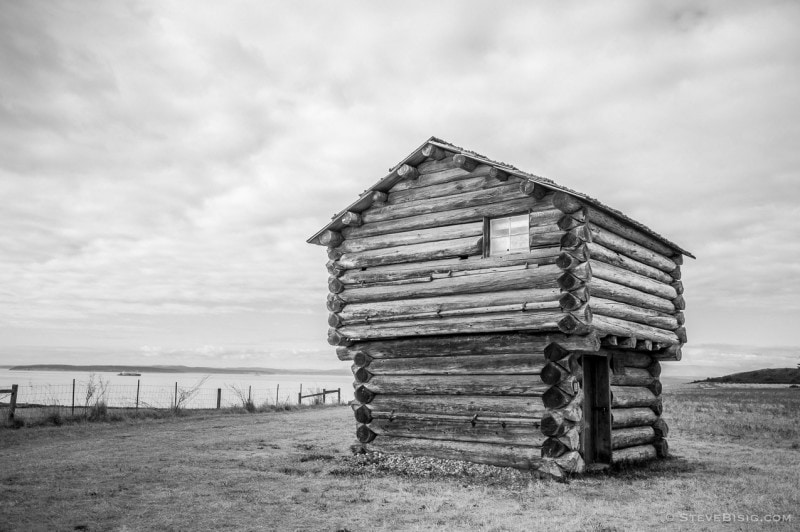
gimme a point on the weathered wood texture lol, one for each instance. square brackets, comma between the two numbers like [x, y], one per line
[530, 364]
[384, 406]
[497, 344]
[515, 431]
[456, 385]
[630, 437]
[639, 453]
[632, 417]
[607, 325]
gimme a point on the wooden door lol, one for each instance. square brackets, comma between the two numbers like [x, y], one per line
[596, 410]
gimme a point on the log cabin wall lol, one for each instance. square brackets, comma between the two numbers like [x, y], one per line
[637, 431]
[457, 354]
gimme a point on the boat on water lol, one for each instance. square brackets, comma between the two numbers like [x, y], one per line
[129, 374]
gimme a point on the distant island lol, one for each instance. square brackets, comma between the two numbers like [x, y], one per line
[760, 376]
[177, 369]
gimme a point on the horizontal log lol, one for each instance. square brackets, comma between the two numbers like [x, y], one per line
[498, 174]
[464, 161]
[460, 405]
[479, 323]
[544, 236]
[452, 267]
[573, 324]
[553, 372]
[625, 311]
[441, 218]
[632, 417]
[628, 358]
[500, 343]
[606, 325]
[561, 394]
[432, 306]
[603, 289]
[509, 431]
[625, 277]
[441, 172]
[631, 249]
[555, 446]
[557, 422]
[433, 152]
[407, 172]
[330, 238]
[427, 191]
[567, 203]
[671, 353]
[351, 219]
[627, 231]
[335, 303]
[419, 236]
[655, 369]
[447, 203]
[557, 350]
[457, 247]
[633, 377]
[639, 453]
[631, 397]
[601, 253]
[542, 277]
[632, 436]
[503, 455]
[528, 364]
[457, 385]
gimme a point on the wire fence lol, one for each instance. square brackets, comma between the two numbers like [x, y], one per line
[89, 393]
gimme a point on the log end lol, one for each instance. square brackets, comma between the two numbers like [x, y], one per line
[365, 434]
[566, 203]
[364, 395]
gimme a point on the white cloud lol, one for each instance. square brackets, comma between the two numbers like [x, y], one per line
[166, 160]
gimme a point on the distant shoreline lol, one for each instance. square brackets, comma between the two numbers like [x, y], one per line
[176, 369]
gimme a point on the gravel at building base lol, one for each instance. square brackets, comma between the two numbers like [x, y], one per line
[381, 464]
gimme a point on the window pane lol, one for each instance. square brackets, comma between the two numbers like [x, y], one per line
[519, 224]
[519, 243]
[498, 246]
[499, 226]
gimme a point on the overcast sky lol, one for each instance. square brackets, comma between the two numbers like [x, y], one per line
[162, 163]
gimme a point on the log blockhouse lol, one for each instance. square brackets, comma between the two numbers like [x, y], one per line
[495, 316]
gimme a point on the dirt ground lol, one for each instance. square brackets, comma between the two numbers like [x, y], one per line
[294, 471]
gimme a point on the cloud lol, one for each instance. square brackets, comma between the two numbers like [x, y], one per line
[165, 161]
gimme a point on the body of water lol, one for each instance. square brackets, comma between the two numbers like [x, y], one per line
[158, 390]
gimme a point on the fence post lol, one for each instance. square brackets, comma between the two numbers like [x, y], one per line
[176, 396]
[138, 382]
[249, 394]
[300, 394]
[12, 404]
[338, 396]
[73, 398]
[219, 397]
[277, 389]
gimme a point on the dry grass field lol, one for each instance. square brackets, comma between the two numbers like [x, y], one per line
[736, 451]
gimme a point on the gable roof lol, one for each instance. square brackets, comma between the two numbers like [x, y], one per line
[416, 157]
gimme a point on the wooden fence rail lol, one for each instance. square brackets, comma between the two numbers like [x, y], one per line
[323, 393]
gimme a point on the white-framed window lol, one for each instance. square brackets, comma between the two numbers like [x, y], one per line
[508, 235]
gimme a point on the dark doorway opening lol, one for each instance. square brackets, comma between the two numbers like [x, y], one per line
[596, 410]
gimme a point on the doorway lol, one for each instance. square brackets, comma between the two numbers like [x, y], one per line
[596, 410]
